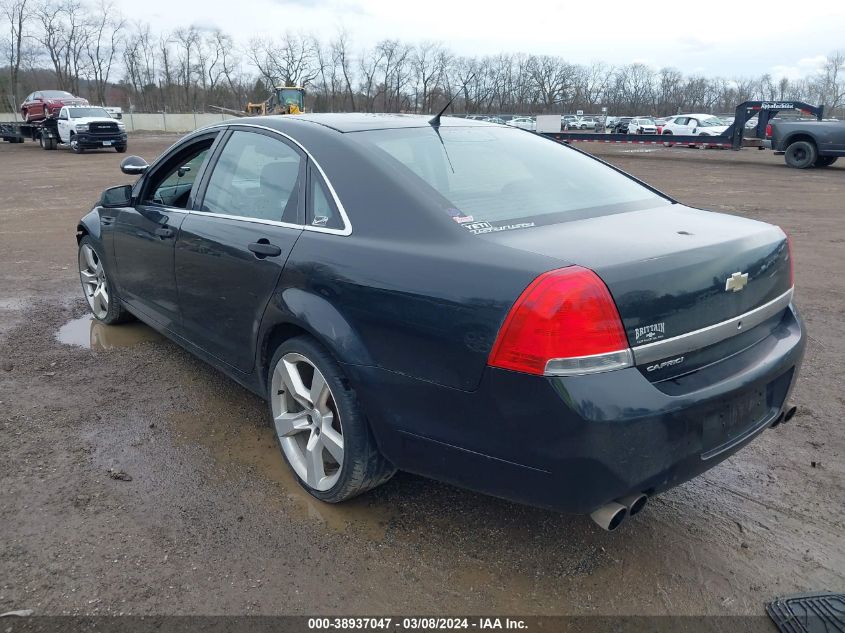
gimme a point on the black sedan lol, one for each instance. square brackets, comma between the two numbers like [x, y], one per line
[467, 301]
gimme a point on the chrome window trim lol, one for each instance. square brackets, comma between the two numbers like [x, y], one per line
[225, 216]
[711, 334]
[347, 228]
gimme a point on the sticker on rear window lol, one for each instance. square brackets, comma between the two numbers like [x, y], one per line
[477, 228]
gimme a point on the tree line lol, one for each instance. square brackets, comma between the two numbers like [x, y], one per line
[94, 52]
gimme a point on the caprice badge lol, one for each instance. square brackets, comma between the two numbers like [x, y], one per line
[736, 282]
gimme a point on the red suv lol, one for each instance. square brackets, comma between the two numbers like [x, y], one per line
[46, 103]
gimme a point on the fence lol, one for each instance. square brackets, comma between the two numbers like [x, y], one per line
[163, 122]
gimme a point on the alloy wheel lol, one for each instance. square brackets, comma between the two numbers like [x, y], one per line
[94, 282]
[307, 421]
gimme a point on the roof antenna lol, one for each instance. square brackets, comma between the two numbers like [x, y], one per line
[435, 120]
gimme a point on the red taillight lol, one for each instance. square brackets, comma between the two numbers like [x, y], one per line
[769, 130]
[564, 315]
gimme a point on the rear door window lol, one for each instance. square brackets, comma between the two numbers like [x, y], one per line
[256, 176]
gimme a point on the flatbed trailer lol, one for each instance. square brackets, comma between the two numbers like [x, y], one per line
[733, 138]
[45, 132]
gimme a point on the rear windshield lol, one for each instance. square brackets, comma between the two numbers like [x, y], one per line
[491, 179]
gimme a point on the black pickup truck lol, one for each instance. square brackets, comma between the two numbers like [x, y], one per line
[808, 143]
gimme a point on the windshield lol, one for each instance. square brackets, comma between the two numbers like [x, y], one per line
[491, 179]
[80, 113]
[290, 96]
[646, 122]
[56, 94]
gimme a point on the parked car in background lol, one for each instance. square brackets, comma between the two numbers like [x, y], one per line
[516, 317]
[495, 119]
[114, 112]
[620, 126]
[660, 122]
[642, 125]
[523, 122]
[567, 121]
[585, 123]
[46, 103]
[87, 127]
[695, 125]
[610, 122]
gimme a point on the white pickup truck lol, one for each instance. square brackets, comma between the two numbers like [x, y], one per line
[89, 127]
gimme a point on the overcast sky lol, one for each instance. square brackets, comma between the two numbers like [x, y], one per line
[717, 37]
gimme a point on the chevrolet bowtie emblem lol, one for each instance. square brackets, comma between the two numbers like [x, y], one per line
[736, 282]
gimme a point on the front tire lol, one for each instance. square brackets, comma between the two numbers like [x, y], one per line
[801, 154]
[102, 296]
[75, 146]
[120, 149]
[321, 428]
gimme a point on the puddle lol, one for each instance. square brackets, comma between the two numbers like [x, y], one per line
[235, 442]
[87, 332]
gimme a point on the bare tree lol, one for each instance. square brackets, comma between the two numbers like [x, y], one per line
[17, 13]
[64, 36]
[290, 61]
[340, 58]
[102, 45]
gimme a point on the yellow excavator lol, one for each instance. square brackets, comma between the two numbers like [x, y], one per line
[284, 100]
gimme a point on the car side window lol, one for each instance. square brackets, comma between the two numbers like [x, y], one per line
[256, 176]
[322, 211]
[172, 187]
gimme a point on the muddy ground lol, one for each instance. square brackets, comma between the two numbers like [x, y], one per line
[211, 522]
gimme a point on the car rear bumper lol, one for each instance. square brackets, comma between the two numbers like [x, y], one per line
[575, 443]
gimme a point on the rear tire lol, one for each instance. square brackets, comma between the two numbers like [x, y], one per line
[801, 154]
[47, 143]
[825, 161]
[361, 467]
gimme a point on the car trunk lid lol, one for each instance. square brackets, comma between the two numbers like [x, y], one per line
[671, 271]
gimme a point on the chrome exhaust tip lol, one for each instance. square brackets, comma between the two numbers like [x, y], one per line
[635, 502]
[609, 516]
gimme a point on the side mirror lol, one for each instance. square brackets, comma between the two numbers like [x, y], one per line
[117, 197]
[133, 165]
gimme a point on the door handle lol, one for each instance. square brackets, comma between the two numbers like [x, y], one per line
[164, 232]
[263, 248]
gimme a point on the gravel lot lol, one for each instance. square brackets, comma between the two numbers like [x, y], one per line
[211, 522]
